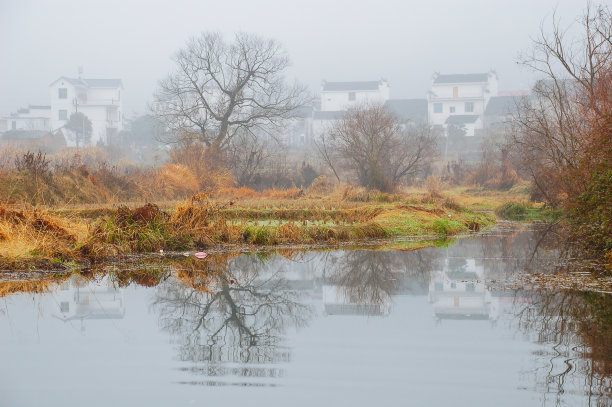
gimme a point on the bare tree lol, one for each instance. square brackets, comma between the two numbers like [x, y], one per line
[378, 148]
[553, 131]
[220, 89]
[242, 310]
[246, 156]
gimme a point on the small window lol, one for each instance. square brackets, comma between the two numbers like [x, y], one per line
[470, 287]
[453, 285]
[62, 93]
[437, 107]
[469, 107]
[64, 306]
[452, 109]
[14, 125]
[439, 287]
[63, 114]
[351, 96]
[455, 92]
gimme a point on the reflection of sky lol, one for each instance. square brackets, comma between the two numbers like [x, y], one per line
[404, 358]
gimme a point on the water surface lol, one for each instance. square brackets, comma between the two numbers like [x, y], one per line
[335, 328]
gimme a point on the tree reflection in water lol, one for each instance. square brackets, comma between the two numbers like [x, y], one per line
[363, 281]
[579, 326]
[239, 315]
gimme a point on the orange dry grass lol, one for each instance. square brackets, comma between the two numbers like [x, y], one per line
[27, 232]
[291, 193]
[173, 181]
[238, 193]
[33, 286]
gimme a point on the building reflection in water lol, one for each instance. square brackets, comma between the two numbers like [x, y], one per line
[77, 299]
[458, 291]
[231, 330]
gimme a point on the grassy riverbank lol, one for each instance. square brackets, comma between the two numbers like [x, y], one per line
[52, 238]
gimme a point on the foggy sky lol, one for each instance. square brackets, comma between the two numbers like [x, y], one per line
[402, 41]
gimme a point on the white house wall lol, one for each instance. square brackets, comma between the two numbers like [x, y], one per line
[101, 105]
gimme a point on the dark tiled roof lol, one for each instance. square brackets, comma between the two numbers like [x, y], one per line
[328, 115]
[501, 105]
[408, 109]
[462, 78]
[462, 119]
[350, 86]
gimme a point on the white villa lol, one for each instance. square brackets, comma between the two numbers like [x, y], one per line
[30, 118]
[337, 97]
[341, 96]
[460, 293]
[461, 100]
[99, 99]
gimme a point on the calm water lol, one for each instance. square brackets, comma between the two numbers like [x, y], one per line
[336, 328]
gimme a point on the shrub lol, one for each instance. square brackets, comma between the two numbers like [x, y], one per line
[512, 211]
[447, 227]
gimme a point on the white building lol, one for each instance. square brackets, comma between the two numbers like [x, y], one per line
[338, 97]
[462, 95]
[461, 293]
[32, 118]
[99, 99]
[341, 96]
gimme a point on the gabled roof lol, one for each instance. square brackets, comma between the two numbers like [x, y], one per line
[462, 119]
[350, 86]
[462, 78]
[408, 109]
[501, 105]
[91, 82]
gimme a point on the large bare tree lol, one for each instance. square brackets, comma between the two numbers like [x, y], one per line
[377, 147]
[220, 89]
[554, 131]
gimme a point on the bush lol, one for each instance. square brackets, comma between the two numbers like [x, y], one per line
[447, 227]
[512, 211]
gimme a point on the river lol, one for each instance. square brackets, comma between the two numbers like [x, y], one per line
[441, 326]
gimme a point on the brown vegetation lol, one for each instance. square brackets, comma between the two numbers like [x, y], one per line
[562, 135]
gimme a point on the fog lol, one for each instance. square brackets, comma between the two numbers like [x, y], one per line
[404, 42]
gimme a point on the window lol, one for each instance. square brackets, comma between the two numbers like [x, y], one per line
[14, 125]
[452, 109]
[64, 306]
[63, 114]
[453, 285]
[439, 287]
[455, 92]
[469, 107]
[62, 93]
[470, 287]
[351, 96]
[437, 107]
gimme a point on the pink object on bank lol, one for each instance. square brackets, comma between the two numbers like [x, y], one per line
[201, 255]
